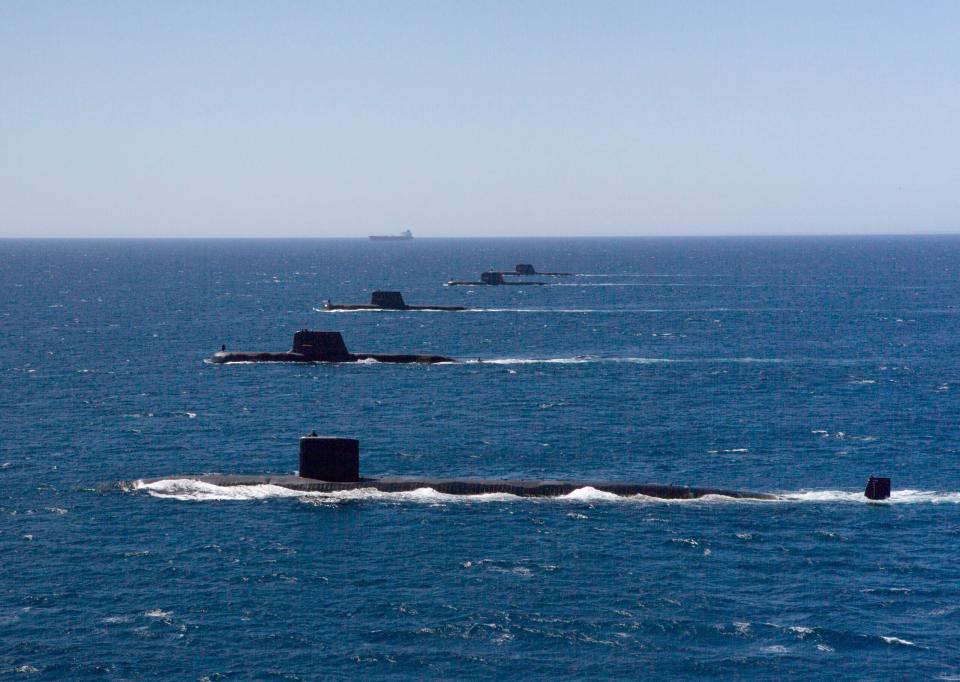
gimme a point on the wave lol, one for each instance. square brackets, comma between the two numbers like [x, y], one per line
[896, 497]
[583, 359]
[683, 285]
[361, 310]
[593, 359]
[640, 274]
[629, 311]
[827, 639]
[622, 284]
[547, 310]
[897, 640]
[578, 311]
[533, 361]
[387, 310]
[190, 490]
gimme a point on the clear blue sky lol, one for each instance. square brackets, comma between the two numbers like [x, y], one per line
[478, 119]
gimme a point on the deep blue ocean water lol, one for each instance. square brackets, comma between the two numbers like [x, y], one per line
[792, 365]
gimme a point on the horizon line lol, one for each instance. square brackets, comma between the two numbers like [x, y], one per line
[730, 235]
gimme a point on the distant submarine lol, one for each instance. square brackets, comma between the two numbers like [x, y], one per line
[492, 279]
[331, 464]
[528, 269]
[319, 346]
[388, 300]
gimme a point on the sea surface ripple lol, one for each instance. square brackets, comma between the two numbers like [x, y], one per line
[791, 365]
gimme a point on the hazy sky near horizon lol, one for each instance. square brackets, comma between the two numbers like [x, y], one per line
[478, 119]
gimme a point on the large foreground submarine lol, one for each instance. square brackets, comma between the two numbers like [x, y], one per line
[492, 279]
[388, 300]
[316, 346]
[332, 464]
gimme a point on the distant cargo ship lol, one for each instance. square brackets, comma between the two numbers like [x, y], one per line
[406, 235]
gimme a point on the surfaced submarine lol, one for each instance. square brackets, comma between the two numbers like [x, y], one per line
[492, 279]
[319, 346]
[332, 464]
[388, 300]
[528, 269]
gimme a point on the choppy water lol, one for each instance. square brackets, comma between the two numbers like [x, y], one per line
[798, 366]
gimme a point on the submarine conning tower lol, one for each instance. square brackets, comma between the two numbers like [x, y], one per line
[326, 346]
[388, 299]
[525, 269]
[327, 458]
[492, 278]
[878, 488]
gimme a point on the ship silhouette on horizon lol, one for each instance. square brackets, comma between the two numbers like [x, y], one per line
[404, 236]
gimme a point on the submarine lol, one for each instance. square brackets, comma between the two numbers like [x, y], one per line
[527, 269]
[319, 346]
[388, 300]
[492, 279]
[332, 464]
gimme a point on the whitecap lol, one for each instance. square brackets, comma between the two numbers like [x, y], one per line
[573, 360]
[193, 490]
[157, 613]
[589, 494]
[896, 497]
[190, 490]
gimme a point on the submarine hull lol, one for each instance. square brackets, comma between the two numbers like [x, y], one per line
[521, 488]
[367, 306]
[228, 357]
[491, 278]
[459, 283]
[527, 269]
[319, 346]
[517, 273]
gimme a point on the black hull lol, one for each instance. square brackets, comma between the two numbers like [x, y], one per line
[231, 357]
[367, 306]
[521, 488]
[458, 283]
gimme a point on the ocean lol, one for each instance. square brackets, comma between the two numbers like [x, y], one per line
[798, 366]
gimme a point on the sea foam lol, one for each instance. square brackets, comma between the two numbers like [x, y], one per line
[191, 490]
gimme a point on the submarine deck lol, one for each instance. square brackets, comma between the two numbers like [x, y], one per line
[515, 273]
[227, 357]
[461, 283]
[521, 488]
[368, 306]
